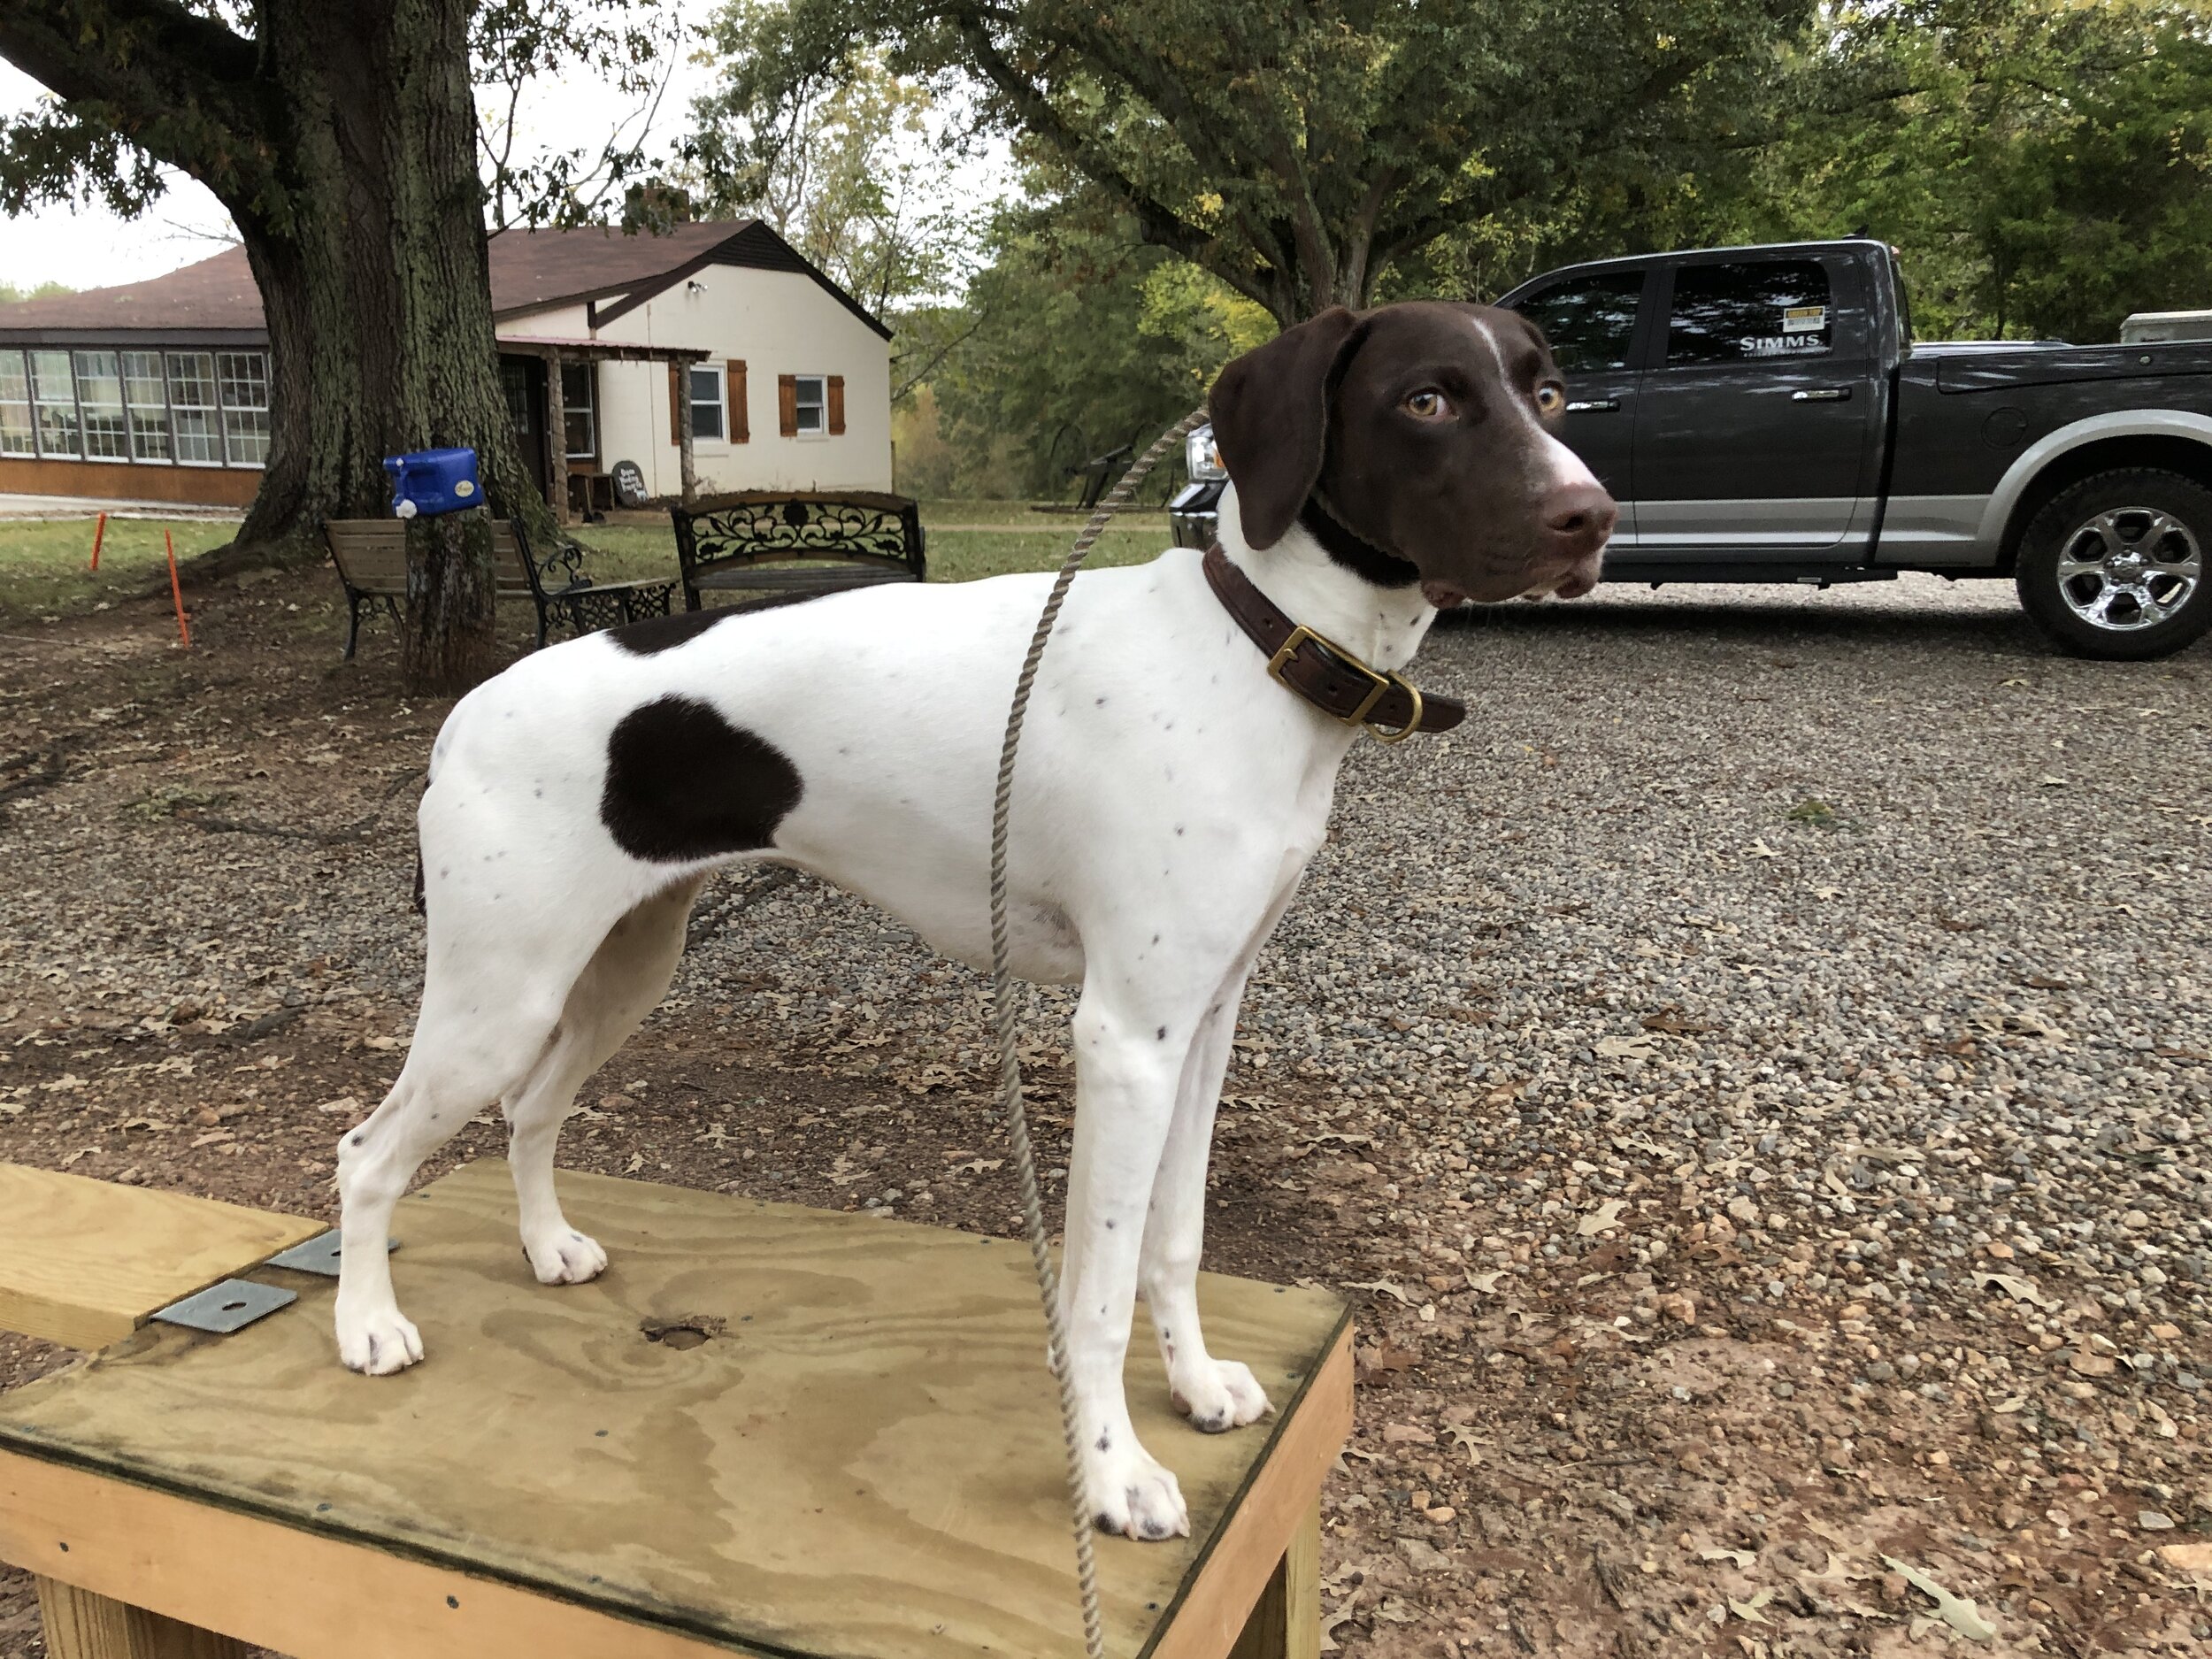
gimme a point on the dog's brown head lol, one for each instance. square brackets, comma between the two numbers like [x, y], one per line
[1415, 441]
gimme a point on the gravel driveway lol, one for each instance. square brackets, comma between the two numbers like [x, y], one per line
[1754, 1074]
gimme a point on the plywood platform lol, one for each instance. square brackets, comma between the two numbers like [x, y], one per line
[865, 1460]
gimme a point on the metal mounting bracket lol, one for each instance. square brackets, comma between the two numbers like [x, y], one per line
[319, 1254]
[231, 1305]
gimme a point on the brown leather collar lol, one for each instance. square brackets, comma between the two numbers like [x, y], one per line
[1386, 707]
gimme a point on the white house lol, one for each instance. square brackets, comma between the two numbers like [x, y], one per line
[159, 390]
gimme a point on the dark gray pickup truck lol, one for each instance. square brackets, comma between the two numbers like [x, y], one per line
[1764, 414]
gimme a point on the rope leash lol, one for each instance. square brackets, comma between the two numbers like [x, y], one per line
[1010, 1072]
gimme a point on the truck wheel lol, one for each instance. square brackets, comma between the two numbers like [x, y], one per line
[2115, 567]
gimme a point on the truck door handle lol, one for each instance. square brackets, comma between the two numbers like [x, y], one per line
[1593, 405]
[1822, 394]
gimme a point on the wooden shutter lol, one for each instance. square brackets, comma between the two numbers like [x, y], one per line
[836, 405]
[787, 404]
[741, 425]
[679, 384]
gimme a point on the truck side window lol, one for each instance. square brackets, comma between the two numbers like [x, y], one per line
[1587, 319]
[1742, 313]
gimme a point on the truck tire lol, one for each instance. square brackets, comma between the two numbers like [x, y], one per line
[2116, 566]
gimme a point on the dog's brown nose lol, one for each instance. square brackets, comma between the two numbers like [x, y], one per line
[1578, 517]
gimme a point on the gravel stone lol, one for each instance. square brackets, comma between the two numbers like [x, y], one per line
[1744, 910]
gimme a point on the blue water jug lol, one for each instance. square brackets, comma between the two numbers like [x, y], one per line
[432, 481]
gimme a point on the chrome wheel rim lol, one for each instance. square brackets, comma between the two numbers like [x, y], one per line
[2129, 569]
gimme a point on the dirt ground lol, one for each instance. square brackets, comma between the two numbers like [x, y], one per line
[1594, 1457]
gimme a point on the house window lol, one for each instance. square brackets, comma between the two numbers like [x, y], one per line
[147, 395]
[100, 405]
[811, 407]
[192, 408]
[53, 400]
[580, 401]
[201, 408]
[15, 406]
[244, 378]
[706, 402]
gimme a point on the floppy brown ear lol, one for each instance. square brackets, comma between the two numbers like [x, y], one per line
[1271, 415]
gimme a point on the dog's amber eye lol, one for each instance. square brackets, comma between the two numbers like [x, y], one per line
[1550, 398]
[1428, 406]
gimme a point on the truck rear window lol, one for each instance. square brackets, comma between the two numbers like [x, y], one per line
[1743, 313]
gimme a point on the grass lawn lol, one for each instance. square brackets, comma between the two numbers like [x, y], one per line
[43, 566]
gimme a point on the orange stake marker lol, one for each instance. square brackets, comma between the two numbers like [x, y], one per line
[176, 588]
[99, 534]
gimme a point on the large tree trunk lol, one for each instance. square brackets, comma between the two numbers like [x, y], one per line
[380, 312]
[342, 136]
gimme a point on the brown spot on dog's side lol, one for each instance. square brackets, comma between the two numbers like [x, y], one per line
[683, 783]
[656, 634]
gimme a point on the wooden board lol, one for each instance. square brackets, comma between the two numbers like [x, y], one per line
[83, 1263]
[866, 1462]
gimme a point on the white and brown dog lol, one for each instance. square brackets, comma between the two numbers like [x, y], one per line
[1169, 794]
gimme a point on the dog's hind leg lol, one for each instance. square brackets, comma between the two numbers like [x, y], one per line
[453, 1071]
[497, 977]
[624, 982]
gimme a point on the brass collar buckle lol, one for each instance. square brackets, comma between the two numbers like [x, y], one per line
[1379, 683]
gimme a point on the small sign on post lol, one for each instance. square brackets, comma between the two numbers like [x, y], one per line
[629, 484]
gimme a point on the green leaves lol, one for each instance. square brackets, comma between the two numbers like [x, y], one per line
[850, 166]
[1297, 153]
[2044, 166]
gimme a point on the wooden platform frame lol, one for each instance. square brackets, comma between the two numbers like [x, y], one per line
[143, 1553]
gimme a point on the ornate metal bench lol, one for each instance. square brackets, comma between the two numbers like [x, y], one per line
[780, 544]
[371, 555]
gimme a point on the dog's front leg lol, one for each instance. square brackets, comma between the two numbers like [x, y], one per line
[1128, 1060]
[1214, 1393]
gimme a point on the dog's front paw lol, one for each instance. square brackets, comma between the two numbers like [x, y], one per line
[1133, 1496]
[565, 1256]
[1217, 1394]
[378, 1343]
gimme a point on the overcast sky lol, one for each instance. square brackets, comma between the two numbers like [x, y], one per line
[91, 247]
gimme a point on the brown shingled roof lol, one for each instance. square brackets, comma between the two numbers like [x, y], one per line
[217, 293]
[530, 269]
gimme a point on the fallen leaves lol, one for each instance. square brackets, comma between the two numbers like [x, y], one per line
[1750, 1611]
[1626, 1047]
[2014, 1287]
[1959, 1613]
[1380, 1363]
[1606, 1215]
[1382, 1285]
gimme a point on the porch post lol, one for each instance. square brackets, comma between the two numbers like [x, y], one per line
[683, 433]
[555, 439]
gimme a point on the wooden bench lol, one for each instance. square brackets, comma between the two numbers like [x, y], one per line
[765, 1430]
[370, 557]
[784, 544]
